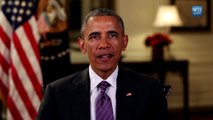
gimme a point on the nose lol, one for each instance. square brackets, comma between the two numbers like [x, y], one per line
[104, 43]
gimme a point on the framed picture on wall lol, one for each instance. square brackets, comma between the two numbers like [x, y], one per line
[102, 3]
[77, 9]
[195, 15]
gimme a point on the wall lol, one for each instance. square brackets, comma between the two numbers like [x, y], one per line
[138, 16]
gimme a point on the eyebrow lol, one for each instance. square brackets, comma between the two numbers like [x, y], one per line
[94, 33]
[98, 33]
[112, 32]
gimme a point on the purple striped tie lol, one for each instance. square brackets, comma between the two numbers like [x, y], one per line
[103, 103]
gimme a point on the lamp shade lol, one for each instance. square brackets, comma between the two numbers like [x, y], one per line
[167, 16]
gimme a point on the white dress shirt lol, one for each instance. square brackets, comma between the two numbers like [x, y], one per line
[110, 91]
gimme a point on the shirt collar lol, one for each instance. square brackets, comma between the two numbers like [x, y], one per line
[95, 79]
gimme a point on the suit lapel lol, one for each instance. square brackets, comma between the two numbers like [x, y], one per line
[124, 96]
[80, 97]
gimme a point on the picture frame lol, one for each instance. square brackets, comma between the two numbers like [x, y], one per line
[103, 4]
[78, 9]
[191, 22]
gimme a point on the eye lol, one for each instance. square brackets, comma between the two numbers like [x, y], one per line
[94, 37]
[113, 35]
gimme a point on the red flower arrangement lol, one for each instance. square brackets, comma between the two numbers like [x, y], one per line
[158, 39]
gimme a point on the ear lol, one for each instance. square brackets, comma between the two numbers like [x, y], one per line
[125, 42]
[81, 44]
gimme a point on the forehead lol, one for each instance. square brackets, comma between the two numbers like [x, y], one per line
[101, 19]
[102, 22]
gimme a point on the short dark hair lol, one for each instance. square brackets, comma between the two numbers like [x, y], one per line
[102, 12]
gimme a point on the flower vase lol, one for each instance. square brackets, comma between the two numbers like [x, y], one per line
[157, 53]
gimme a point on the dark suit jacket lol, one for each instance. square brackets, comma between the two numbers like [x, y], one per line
[69, 98]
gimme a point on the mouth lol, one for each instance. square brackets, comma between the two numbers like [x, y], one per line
[104, 57]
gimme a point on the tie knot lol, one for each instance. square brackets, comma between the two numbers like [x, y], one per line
[103, 85]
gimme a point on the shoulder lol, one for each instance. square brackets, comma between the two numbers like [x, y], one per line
[134, 74]
[137, 78]
[71, 80]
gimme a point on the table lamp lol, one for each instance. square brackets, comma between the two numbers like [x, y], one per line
[167, 16]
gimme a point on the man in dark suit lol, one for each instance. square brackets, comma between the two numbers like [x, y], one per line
[132, 96]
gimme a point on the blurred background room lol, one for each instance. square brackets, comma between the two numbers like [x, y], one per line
[184, 46]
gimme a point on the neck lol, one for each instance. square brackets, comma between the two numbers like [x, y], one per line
[104, 74]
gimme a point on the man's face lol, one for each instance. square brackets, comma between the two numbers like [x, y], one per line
[103, 42]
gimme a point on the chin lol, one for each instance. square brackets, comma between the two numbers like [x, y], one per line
[107, 67]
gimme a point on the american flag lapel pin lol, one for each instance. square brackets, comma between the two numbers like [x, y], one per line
[129, 94]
